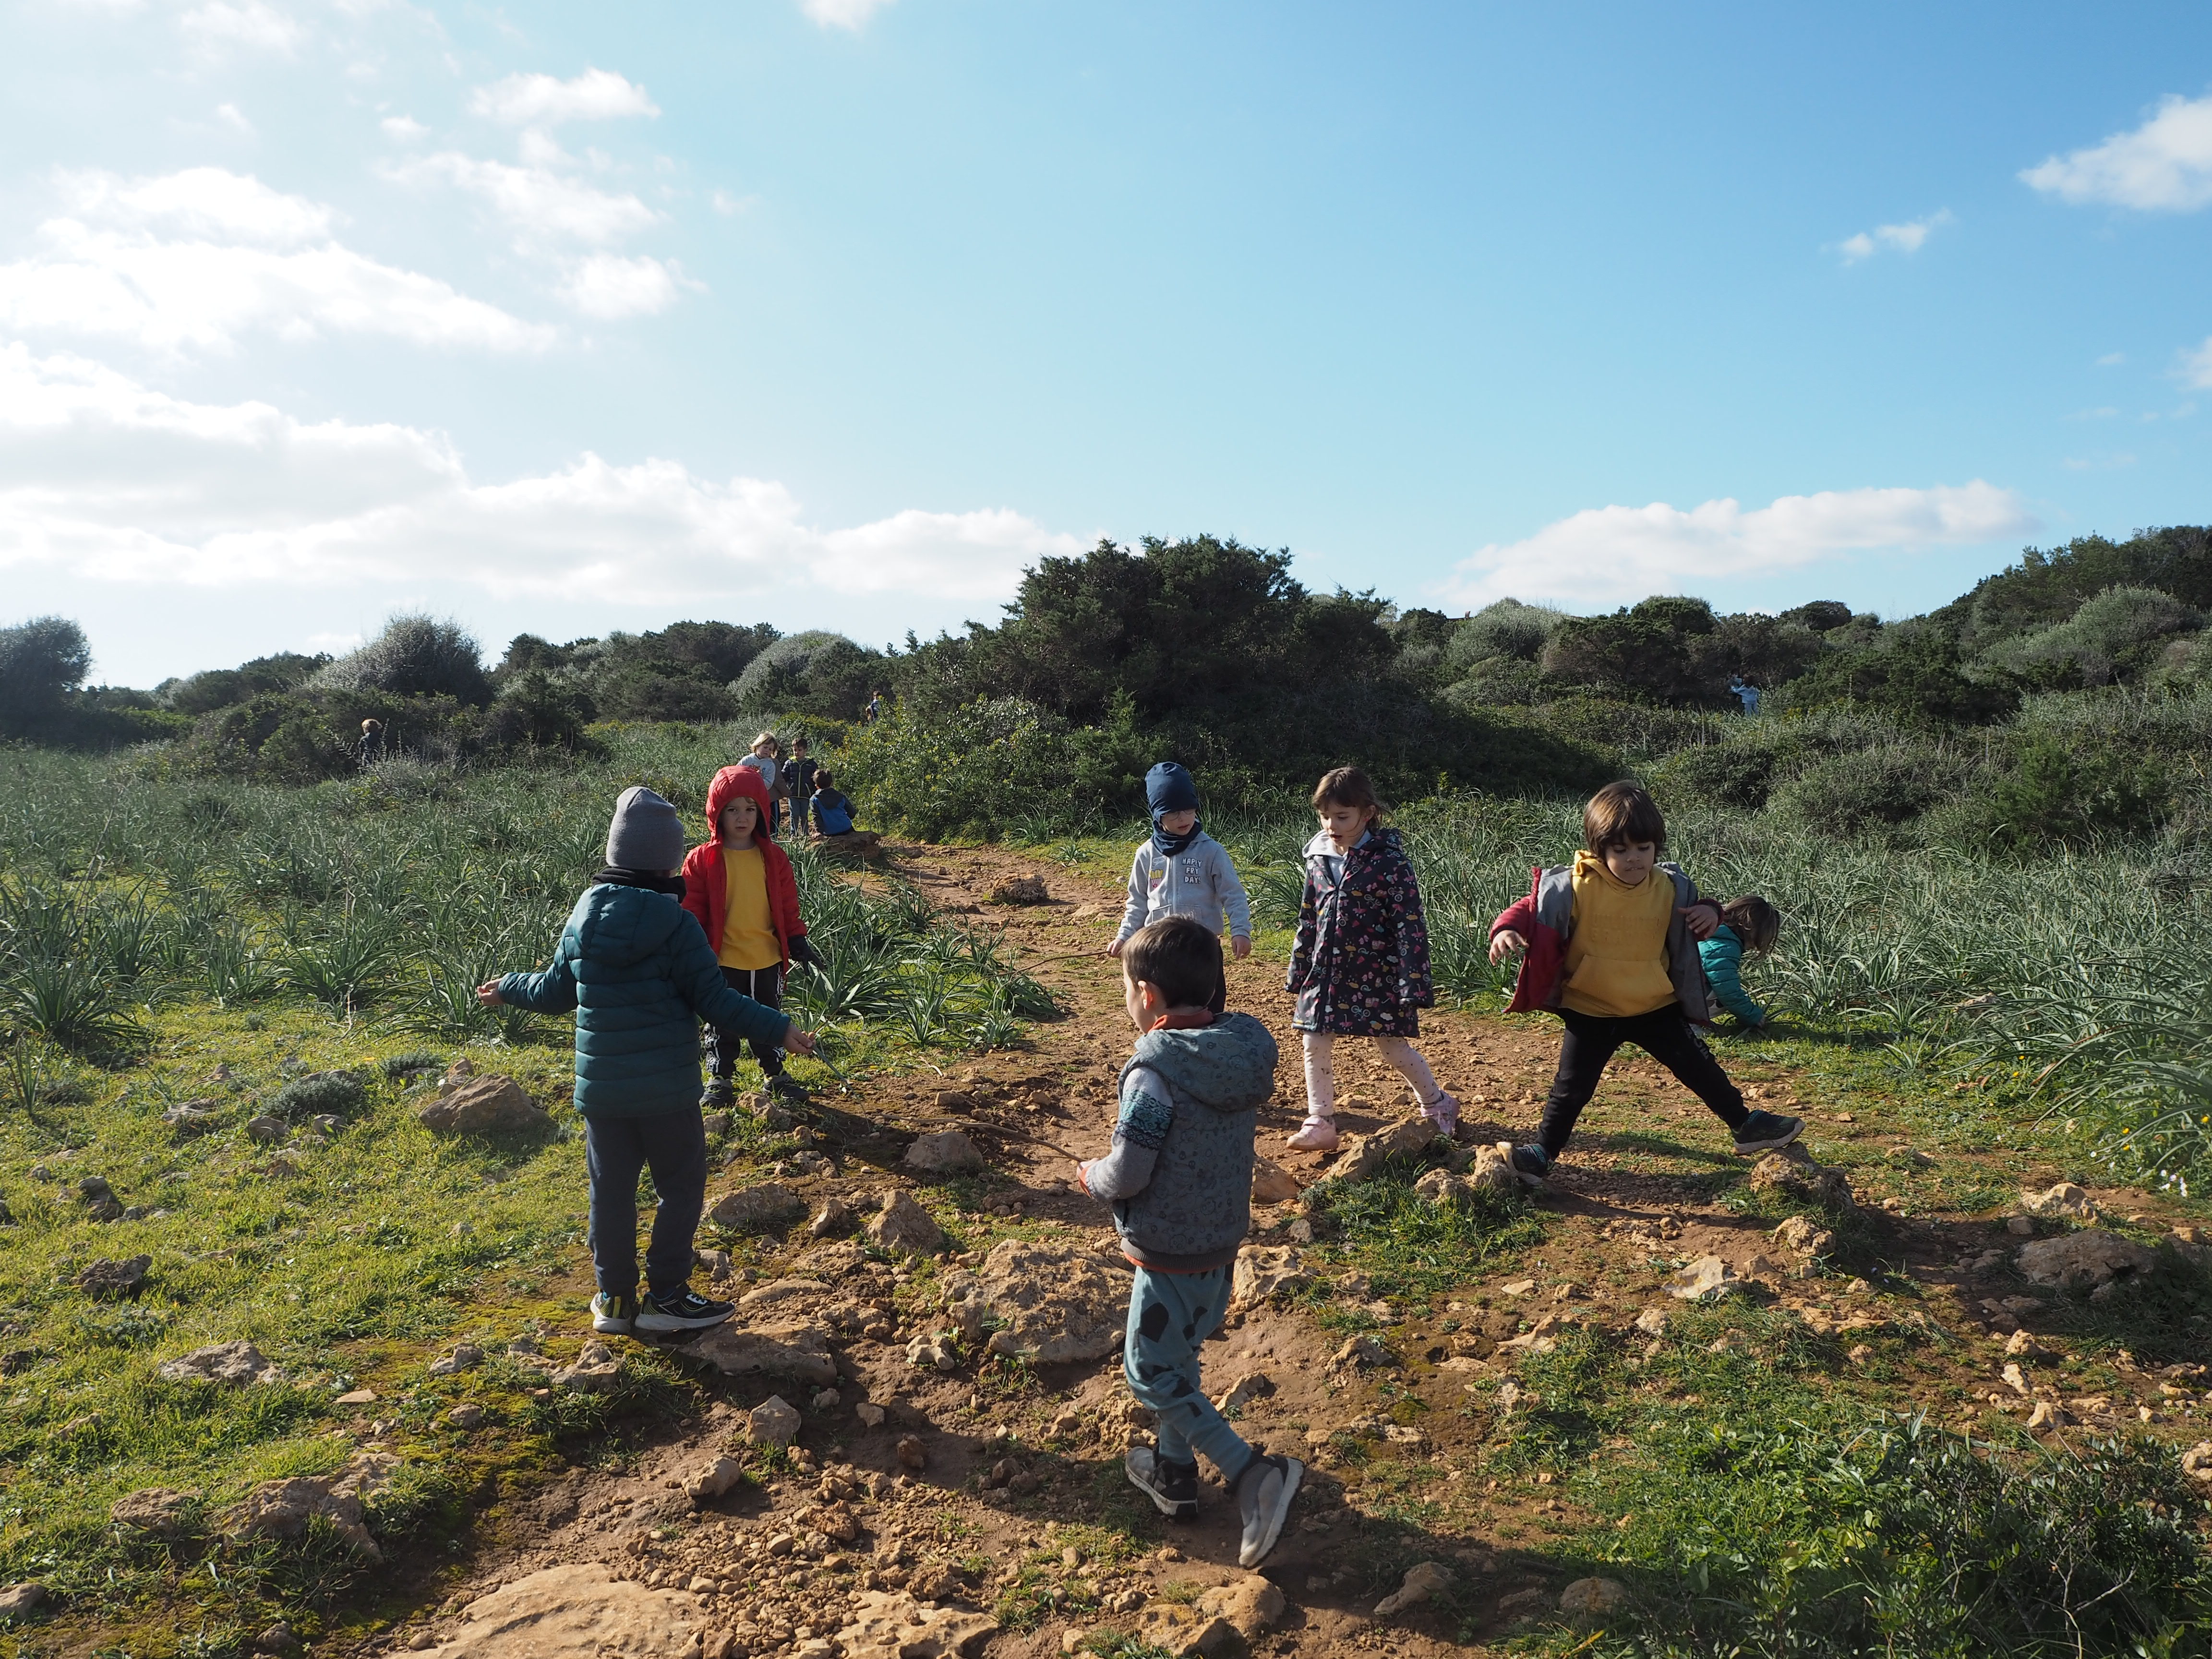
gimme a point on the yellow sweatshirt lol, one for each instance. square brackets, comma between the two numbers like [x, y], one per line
[1616, 960]
[747, 931]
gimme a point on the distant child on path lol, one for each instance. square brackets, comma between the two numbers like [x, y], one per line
[638, 975]
[1611, 952]
[1360, 966]
[1749, 923]
[798, 778]
[831, 811]
[1179, 1176]
[763, 760]
[740, 887]
[1183, 871]
[372, 742]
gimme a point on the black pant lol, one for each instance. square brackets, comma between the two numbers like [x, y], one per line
[673, 1145]
[764, 986]
[1665, 1034]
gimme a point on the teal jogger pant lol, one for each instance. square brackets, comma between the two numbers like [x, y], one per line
[1170, 1315]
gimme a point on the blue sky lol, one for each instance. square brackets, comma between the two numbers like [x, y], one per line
[836, 312]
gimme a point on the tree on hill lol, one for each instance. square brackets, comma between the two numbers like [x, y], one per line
[415, 656]
[43, 662]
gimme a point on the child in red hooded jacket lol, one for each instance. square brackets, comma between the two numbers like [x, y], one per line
[740, 887]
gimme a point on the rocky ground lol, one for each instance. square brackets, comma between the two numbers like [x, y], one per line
[915, 1446]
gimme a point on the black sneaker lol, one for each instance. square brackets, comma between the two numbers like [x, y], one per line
[1762, 1132]
[613, 1316]
[682, 1309]
[1173, 1487]
[787, 1089]
[719, 1092]
[1532, 1164]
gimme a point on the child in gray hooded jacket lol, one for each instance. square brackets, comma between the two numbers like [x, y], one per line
[1183, 871]
[1179, 1177]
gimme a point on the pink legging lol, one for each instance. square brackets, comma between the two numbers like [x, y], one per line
[1321, 1070]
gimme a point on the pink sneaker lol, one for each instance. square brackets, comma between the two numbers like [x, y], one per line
[1316, 1134]
[1443, 1112]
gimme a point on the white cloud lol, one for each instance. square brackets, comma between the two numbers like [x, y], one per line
[537, 204]
[220, 24]
[106, 480]
[2164, 165]
[230, 116]
[725, 204]
[404, 128]
[190, 261]
[843, 13]
[2197, 366]
[1613, 554]
[540, 100]
[1896, 239]
[2112, 360]
[607, 285]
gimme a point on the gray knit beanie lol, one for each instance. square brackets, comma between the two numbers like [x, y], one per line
[646, 833]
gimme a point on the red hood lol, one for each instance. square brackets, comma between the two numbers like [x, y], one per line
[729, 783]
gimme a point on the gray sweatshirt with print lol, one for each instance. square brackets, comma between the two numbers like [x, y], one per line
[1200, 881]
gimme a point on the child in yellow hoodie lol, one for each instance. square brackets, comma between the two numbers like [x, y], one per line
[1614, 955]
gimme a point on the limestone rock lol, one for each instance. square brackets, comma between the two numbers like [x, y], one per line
[1264, 1272]
[2066, 1200]
[775, 1422]
[232, 1363]
[1365, 1351]
[105, 1279]
[1651, 1322]
[1021, 889]
[1246, 1389]
[903, 1224]
[481, 1106]
[158, 1512]
[768, 1208]
[705, 1484]
[2083, 1260]
[1805, 1237]
[598, 1369]
[1053, 1303]
[467, 1417]
[2047, 1416]
[465, 1356]
[1594, 1598]
[1183, 1631]
[2197, 1462]
[193, 1117]
[16, 1599]
[1706, 1279]
[1793, 1174]
[798, 1288]
[835, 1219]
[576, 1611]
[933, 1351]
[797, 1352]
[892, 1625]
[1250, 1603]
[1488, 1172]
[1361, 1156]
[870, 1414]
[283, 1508]
[948, 1151]
[266, 1129]
[1421, 1582]
[912, 1454]
[1271, 1183]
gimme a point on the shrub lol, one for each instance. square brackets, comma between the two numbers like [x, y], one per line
[817, 671]
[1507, 629]
[2114, 635]
[1869, 790]
[415, 656]
[42, 662]
[2054, 794]
[534, 710]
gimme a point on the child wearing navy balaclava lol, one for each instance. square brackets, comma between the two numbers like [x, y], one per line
[1183, 871]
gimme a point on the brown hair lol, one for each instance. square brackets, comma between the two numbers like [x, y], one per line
[1756, 923]
[824, 780]
[1347, 786]
[1179, 958]
[1621, 814]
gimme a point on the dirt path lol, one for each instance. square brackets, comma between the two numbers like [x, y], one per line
[757, 1572]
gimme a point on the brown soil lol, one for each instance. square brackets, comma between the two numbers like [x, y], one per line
[1624, 1214]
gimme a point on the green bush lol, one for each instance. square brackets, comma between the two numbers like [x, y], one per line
[1867, 791]
[2057, 794]
[2114, 635]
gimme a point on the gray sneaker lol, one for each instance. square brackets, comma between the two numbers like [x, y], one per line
[1264, 1491]
[1173, 1487]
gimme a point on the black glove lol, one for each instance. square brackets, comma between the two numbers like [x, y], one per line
[803, 950]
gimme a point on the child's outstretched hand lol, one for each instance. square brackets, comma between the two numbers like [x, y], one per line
[1240, 948]
[488, 994]
[1115, 949]
[1505, 943]
[1701, 919]
[800, 1043]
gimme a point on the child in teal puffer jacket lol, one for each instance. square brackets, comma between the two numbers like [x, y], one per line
[639, 975]
[1749, 923]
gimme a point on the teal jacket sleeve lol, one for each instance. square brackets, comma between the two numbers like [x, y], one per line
[698, 979]
[550, 991]
[1722, 955]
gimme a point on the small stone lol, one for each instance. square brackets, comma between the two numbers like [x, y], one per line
[2197, 1462]
[355, 1398]
[1706, 1279]
[903, 1225]
[2083, 1260]
[1021, 889]
[1251, 1604]
[465, 1357]
[482, 1106]
[92, 1187]
[104, 1280]
[1594, 1598]
[277, 1638]
[465, 1416]
[1793, 1174]
[109, 1208]
[775, 1422]
[1264, 1272]
[870, 1414]
[232, 1363]
[946, 1152]
[1516, 1287]
[16, 1599]
[157, 1511]
[1421, 1582]
[2045, 1416]
[598, 1369]
[715, 1123]
[768, 1207]
[1271, 1183]
[1245, 1390]
[911, 1453]
[1651, 1322]
[828, 1400]
[834, 1220]
[1804, 1235]
[705, 1485]
[266, 1129]
[2021, 1226]
[2065, 1201]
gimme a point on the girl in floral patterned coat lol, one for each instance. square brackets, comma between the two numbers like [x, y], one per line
[1361, 964]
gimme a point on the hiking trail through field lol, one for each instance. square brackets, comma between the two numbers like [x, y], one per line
[954, 1482]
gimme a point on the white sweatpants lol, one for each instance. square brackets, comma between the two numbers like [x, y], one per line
[1321, 1070]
